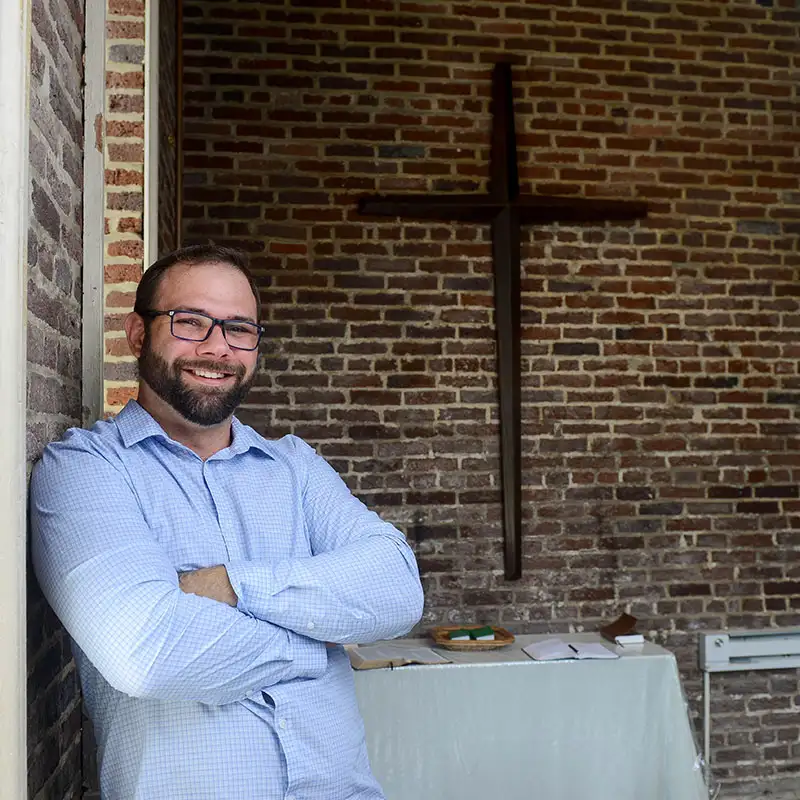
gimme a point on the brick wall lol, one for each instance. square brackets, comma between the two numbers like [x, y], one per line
[54, 363]
[660, 378]
[124, 158]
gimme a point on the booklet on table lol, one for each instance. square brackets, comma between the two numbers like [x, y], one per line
[556, 649]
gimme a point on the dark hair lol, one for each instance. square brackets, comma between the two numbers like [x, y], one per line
[193, 254]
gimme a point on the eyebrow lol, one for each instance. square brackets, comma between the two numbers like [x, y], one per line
[203, 311]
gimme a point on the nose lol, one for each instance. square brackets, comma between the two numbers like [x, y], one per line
[215, 345]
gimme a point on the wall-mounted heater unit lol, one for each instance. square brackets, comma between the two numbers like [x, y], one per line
[736, 650]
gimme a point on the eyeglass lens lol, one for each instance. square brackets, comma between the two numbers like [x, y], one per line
[195, 328]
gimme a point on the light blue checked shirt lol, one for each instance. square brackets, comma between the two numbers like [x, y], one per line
[192, 699]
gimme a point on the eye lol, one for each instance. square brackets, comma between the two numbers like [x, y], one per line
[240, 330]
[188, 322]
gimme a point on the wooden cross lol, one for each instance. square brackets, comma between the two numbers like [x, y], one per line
[505, 210]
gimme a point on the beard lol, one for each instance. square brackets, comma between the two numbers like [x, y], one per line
[204, 406]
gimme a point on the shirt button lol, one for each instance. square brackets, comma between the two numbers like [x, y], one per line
[282, 726]
[310, 626]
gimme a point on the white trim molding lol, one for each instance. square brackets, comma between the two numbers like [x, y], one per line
[15, 37]
[92, 345]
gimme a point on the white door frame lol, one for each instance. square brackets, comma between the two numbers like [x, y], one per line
[92, 344]
[15, 40]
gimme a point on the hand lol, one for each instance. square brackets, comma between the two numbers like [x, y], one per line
[211, 582]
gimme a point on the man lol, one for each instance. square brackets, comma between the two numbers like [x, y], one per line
[207, 576]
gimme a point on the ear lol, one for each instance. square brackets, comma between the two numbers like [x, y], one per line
[135, 332]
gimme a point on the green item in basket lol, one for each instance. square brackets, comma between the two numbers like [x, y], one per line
[460, 635]
[485, 634]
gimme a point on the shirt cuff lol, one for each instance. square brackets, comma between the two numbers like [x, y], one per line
[253, 586]
[310, 657]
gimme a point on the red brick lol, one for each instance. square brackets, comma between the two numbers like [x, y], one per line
[126, 8]
[124, 177]
[128, 248]
[118, 396]
[117, 346]
[120, 299]
[122, 130]
[129, 225]
[126, 153]
[116, 29]
[122, 273]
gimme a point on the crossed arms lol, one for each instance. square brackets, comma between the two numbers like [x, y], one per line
[118, 594]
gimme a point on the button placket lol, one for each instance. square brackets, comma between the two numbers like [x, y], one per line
[228, 540]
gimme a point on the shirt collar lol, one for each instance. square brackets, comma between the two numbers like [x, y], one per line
[135, 425]
[244, 437]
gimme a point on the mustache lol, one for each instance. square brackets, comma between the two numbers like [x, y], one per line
[212, 366]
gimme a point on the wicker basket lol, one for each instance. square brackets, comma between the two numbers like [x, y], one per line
[502, 638]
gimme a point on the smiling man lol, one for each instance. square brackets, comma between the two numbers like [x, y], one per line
[208, 576]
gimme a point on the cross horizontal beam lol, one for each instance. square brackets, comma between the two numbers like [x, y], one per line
[532, 209]
[505, 210]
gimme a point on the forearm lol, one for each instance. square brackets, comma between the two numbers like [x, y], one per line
[364, 591]
[148, 639]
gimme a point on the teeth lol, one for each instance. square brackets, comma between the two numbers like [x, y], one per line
[204, 373]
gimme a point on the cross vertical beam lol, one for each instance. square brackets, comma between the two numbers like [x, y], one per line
[505, 210]
[505, 232]
[505, 252]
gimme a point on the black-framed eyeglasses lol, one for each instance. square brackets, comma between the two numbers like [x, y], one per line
[193, 326]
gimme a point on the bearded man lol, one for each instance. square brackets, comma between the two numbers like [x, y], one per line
[208, 577]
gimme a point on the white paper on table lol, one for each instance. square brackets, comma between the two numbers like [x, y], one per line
[555, 649]
[594, 650]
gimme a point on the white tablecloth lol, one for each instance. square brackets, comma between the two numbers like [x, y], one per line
[499, 726]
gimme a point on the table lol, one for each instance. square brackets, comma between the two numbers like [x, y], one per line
[499, 726]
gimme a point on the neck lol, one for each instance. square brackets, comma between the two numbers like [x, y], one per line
[201, 439]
